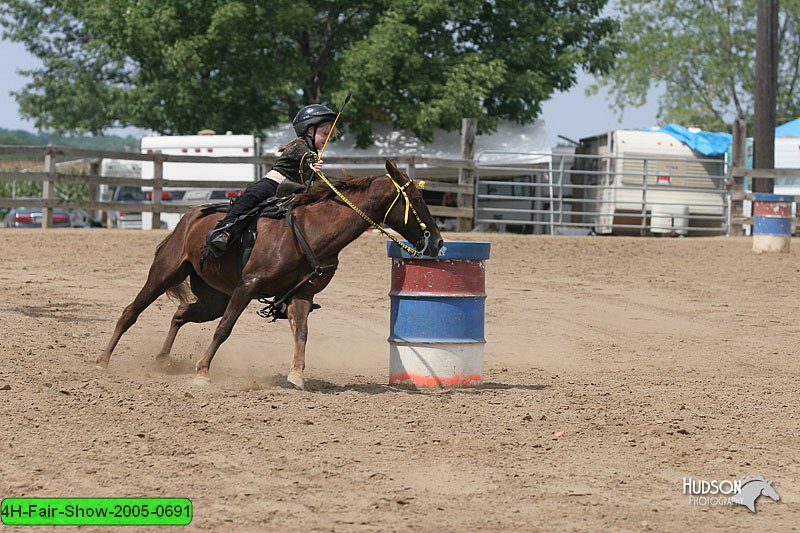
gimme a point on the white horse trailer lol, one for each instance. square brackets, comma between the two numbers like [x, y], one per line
[649, 181]
[787, 155]
[198, 145]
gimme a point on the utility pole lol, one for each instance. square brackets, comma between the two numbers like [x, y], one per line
[766, 91]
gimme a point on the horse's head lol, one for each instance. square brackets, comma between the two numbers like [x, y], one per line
[769, 491]
[409, 215]
[752, 487]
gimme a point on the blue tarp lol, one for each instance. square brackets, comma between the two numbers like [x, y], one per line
[705, 142]
[790, 129]
[716, 143]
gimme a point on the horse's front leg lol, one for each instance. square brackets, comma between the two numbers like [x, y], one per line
[298, 311]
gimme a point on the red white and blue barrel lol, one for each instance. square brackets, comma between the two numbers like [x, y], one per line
[772, 222]
[436, 334]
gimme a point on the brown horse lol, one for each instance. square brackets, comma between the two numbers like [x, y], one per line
[277, 263]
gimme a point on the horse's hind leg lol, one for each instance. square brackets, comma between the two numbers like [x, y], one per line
[162, 276]
[210, 305]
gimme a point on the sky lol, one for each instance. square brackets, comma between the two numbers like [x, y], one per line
[571, 113]
[14, 57]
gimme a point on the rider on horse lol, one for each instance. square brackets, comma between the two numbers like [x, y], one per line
[293, 172]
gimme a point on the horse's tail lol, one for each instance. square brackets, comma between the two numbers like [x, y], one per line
[181, 292]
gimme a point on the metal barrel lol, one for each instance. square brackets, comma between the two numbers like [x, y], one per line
[772, 222]
[436, 336]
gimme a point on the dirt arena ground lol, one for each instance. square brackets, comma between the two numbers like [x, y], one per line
[658, 359]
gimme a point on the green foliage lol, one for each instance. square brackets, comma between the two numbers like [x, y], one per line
[20, 189]
[97, 142]
[75, 192]
[177, 66]
[703, 53]
[65, 191]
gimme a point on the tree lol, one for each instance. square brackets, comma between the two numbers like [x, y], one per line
[176, 66]
[703, 53]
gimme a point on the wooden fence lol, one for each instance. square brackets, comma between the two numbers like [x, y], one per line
[464, 210]
[738, 194]
[762, 180]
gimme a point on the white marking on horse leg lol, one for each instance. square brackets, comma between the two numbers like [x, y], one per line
[201, 381]
[201, 378]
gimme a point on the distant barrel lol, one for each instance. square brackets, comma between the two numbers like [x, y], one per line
[436, 336]
[772, 222]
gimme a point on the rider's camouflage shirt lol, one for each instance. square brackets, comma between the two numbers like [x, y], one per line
[295, 161]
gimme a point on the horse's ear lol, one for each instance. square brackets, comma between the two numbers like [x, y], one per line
[394, 172]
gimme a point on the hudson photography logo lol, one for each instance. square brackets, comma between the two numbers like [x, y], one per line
[744, 491]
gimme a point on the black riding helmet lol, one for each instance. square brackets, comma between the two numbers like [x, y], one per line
[312, 115]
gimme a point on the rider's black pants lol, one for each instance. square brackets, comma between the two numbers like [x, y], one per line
[254, 194]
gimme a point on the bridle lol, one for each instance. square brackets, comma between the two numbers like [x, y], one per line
[401, 191]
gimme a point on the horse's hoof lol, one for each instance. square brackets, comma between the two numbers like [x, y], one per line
[297, 380]
[101, 365]
[202, 381]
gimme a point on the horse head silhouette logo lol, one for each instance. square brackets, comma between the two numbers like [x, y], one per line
[752, 488]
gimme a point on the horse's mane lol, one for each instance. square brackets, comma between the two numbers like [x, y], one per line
[320, 191]
[748, 479]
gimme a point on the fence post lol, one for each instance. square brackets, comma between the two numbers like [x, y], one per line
[47, 188]
[466, 176]
[411, 167]
[738, 160]
[158, 187]
[94, 188]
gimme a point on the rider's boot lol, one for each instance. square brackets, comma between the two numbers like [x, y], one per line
[217, 240]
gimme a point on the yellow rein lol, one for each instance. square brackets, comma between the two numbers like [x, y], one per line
[368, 220]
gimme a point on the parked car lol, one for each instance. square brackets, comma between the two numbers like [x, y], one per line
[127, 219]
[79, 218]
[31, 217]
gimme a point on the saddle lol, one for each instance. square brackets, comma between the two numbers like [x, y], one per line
[273, 207]
[243, 231]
